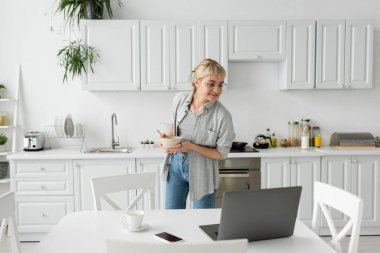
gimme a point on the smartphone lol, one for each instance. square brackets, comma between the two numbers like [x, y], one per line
[168, 237]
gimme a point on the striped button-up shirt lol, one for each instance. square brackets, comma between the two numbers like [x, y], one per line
[213, 128]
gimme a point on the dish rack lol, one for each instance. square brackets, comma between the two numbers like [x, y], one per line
[66, 136]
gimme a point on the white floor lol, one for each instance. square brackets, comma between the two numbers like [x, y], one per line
[367, 244]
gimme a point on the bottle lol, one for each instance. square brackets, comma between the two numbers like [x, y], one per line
[274, 141]
[268, 135]
[305, 134]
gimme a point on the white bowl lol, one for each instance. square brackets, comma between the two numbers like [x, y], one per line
[170, 141]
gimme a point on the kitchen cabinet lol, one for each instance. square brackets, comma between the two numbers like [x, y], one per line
[170, 50]
[43, 195]
[213, 42]
[85, 170]
[339, 54]
[361, 176]
[293, 171]
[256, 40]
[297, 71]
[118, 45]
[155, 55]
[152, 165]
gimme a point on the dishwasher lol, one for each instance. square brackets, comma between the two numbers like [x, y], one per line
[238, 174]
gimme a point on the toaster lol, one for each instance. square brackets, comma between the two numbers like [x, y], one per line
[34, 141]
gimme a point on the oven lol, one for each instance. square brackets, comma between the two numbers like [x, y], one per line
[238, 174]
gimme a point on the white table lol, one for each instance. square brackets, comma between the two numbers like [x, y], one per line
[87, 231]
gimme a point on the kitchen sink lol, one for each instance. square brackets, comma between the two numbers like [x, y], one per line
[110, 150]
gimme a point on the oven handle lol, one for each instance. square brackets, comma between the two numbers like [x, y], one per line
[234, 175]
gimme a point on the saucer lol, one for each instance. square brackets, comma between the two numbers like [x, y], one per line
[143, 227]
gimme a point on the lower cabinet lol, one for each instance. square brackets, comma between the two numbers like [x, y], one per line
[361, 176]
[85, 170]
[293, 171]
[152, 165]
[43, 195]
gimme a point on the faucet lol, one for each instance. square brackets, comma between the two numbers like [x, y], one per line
[114, 142]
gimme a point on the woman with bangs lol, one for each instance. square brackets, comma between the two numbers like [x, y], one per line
[206, 128]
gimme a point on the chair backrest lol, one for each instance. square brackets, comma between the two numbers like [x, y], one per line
[102, 186]
[7, 218]
[351, 205]
[225, 246]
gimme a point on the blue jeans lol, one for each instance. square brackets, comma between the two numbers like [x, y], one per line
[177, 186]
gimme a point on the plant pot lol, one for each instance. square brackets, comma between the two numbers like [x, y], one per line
[93, 11]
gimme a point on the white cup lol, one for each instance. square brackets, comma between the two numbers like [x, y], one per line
[133, 219]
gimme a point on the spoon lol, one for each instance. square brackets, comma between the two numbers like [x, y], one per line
[161, 135]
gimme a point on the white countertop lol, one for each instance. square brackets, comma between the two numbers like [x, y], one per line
[158, 153]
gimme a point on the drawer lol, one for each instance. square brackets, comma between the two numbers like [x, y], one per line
[44, 168]
[40, 214]
[43, 186]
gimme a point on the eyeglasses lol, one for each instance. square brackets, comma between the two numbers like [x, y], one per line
[221, 86]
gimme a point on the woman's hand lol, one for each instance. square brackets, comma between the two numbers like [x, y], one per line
[182, 147]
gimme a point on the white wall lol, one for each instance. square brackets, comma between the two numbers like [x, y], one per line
[253, 96]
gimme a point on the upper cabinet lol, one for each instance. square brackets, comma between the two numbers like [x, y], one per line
[298, 70]
[155, 64]
[340, 50]
[213, 42]
[184, 50]
[118, 43]
[359, 54]
[261, 40]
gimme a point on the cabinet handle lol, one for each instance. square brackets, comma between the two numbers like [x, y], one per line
[76, 165]
[354, 161]
[257, 57]
[43, 187]
[42, 168]
[44, 215]
[294, 162]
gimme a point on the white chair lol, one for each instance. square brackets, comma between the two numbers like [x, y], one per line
[7, 217]
[104, 185]
[227, 246]
[351, 205]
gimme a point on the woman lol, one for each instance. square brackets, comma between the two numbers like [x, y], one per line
[207, 131]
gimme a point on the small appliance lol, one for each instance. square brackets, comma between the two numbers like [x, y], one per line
[34, 141]
[354, 139]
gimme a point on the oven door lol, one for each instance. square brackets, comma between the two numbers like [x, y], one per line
[236, 180]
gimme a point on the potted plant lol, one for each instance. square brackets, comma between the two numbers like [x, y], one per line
[74, 57]
[3, 140]
[2, 90]
[75, 10]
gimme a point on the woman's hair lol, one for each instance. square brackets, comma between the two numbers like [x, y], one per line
[208, 67]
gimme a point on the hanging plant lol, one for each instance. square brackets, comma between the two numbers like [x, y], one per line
[75, 10]
[74, 58]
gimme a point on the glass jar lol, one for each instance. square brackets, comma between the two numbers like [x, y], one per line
[284, 143]
[4, 119]
[293, 133]
[317, 140]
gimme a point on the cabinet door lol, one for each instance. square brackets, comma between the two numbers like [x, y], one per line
[257, 40]
[184, 50]
[117, 42]
[337, 171]
[152, 165]
[330, 54]
[365, 184]
[304, 171]
[40, 213]
[155, 55]
[359, 53]
[275, 172]
[213, 42]
[300, 55]
[88, 169]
